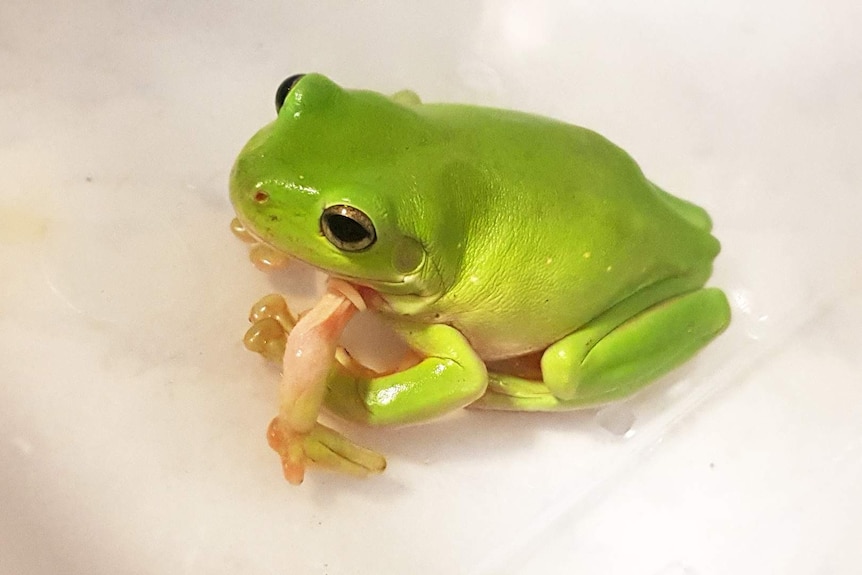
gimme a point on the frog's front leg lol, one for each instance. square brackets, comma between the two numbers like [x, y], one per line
[611, 357]
[448, 377]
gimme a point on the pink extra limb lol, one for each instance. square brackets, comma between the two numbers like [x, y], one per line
[308, 359]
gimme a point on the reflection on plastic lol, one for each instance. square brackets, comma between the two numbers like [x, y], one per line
[618, 419]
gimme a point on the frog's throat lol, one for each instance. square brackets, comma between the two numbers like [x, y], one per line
[410, 296]
[406, 297]
[404, 305]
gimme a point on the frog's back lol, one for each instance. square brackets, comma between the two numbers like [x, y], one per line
[564, 224]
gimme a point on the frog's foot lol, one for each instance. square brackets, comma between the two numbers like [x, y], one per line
[515, 384]
[513, 393]
[271, 322]
[262, 256]
[321, 446]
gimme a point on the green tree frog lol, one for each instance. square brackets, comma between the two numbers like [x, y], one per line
[528, 263]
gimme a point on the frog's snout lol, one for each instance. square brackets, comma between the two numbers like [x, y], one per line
[260, 196]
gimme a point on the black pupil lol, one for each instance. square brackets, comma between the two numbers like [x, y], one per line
[346, 229]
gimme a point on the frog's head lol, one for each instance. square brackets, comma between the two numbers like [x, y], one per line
[345, 181]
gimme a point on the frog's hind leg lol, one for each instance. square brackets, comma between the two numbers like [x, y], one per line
[608, 359]
[447, 374]
[690, 212]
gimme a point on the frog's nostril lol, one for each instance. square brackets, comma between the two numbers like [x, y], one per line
[261, 197]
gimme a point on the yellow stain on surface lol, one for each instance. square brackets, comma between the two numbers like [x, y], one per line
[19, 225]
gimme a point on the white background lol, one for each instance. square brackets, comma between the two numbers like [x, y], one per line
[132, 427]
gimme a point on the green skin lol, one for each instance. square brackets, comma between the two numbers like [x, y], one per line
[498, 234]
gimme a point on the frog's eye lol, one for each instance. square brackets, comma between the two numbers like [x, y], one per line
[284, 90]
[347, 228]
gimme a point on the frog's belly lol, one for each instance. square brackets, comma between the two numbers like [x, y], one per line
[496, 352]
[495, 345]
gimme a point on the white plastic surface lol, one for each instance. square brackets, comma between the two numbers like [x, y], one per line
[132, 428]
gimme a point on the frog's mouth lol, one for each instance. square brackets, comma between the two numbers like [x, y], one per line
[406, 295]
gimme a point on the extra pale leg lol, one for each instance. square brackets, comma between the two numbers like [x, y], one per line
[308, 359]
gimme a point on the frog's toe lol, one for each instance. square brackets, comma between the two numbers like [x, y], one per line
[512, 393]
[274, 306]
[241, 232]
[290, 448]
[271, 321]
[267, 338]
[331, 450]
[262, 256]
[321, 446]
[266, 258]
[407, 98]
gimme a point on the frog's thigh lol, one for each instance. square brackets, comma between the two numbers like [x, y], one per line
[450, 376]
[637, 351]
[579, 371]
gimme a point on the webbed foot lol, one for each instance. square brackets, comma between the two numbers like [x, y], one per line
[321, 446]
